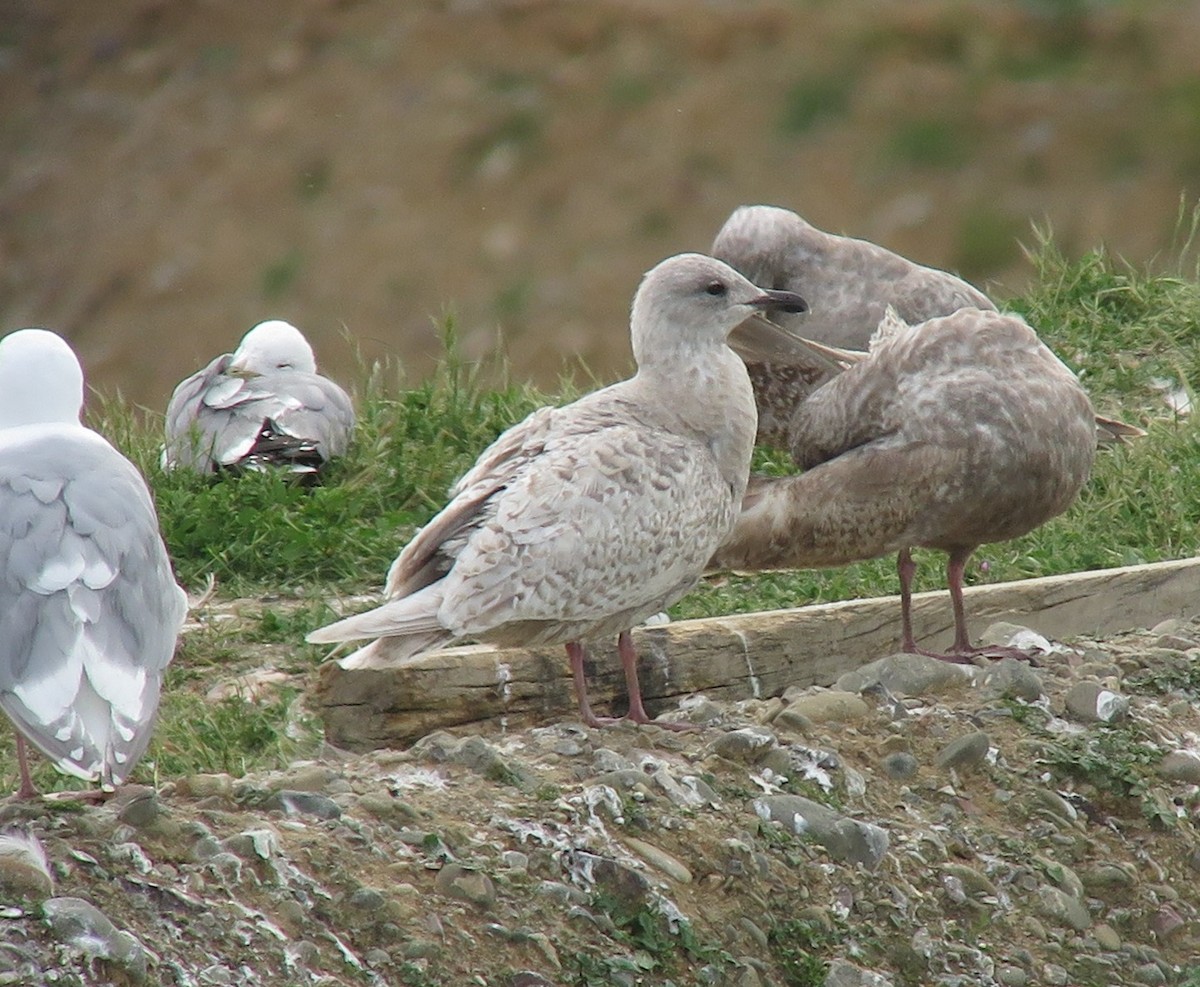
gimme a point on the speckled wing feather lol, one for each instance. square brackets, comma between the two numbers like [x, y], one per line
[89, 610]
[568, 542]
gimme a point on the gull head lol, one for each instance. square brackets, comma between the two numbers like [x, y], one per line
[761, 242]
[691, 301]
[40, 379]
[272, 347]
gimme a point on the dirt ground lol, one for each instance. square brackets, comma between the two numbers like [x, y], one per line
[172, 173]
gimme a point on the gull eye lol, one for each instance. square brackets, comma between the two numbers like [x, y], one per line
[716, 288]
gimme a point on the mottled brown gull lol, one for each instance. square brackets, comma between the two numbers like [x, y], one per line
[848, 284]
[262, 406]
[950, 434]
[579, 522]
[89, 609]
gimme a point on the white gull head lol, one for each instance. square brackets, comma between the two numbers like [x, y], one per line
[271, 347]
[40, 380]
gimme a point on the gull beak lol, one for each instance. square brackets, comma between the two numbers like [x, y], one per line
[242, 373]
[758, 339]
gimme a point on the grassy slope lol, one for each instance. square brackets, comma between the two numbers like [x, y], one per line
[1125, 331]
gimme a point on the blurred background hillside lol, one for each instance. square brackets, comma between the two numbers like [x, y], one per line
[171, 173]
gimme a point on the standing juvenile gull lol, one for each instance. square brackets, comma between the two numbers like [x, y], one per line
[89, 609]
[950, 434]
[264, 405]
[580, 522]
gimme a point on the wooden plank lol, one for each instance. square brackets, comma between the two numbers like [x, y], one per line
[735, 657]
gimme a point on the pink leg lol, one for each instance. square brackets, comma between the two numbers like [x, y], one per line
[27, 790]
[962, 652]
[907, 568]
[637, 710]
[576, 654]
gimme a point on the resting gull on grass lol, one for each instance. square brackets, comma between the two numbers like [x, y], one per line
[580, 522]
[262, 406]
[89, 609]
[949, 434]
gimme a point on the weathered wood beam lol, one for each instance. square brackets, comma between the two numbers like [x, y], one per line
[735, 657]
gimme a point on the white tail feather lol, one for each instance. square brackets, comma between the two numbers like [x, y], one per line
[412, 615]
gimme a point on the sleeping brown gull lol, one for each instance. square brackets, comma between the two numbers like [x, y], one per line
[580, 522]
[262, 406]
[89, 609]
[949, 434]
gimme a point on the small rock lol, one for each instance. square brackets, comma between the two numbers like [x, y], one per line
[1107, 937]
[900, 765]
[965, 751]
[456, 881]
[139, 807]
[24, 869]
[1181, 766]
[367, 899]
[842, 973]
[1010, 678]
[527, 978]
[747, 745]
[515, 861]
[627, 889]
[82, 926]
[660, 860]
[1105, 879]
[792, 720]
[844, 838]
[1012, 976]
[1090, 702]
[1056, 904]
[1150, 974]
[907, 675]
[205, 786]
[1055, 803]
[829, 706]
[377, 957]
[312, 778]
[1055, 975]
[300, 803]
[972, 880]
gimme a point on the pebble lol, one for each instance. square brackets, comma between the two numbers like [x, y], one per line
[202, 786]
[1150, 974]
[1012, 976]
[303, 803]
[907, 675]
[24, 870]
[845, 839]
[456, 881]
[1090, 702]
[792, 721]
[1054, 903]
[842, 973]
[829, 706]
[83, 927]
[660, 859]
[900, 765]
[1055, 975]
[140, 806]
[1011, 678]
[1180, 766]
[964, 752]
[1107, 937]
[747, 745]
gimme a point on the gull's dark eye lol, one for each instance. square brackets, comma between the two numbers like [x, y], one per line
[716, 288]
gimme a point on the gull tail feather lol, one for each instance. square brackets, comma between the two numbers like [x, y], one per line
[412, 617]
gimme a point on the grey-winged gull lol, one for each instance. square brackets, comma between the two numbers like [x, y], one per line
[949, 434]
[262, 406]
[579, 522]
[89, 608]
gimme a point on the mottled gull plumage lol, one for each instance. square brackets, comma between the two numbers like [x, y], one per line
[262, 406]
[579, 522]
[848, 284]
[949, 434]
[89, 609]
